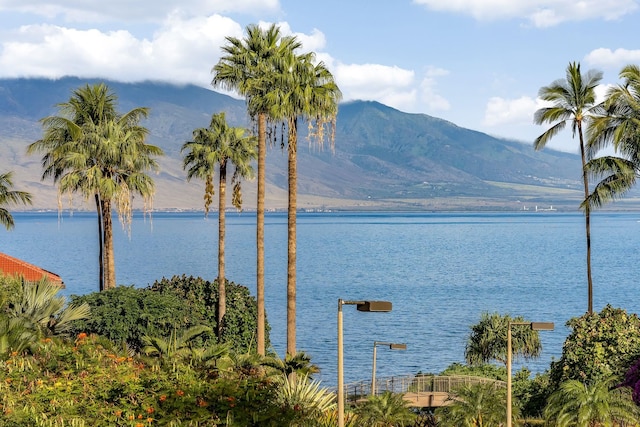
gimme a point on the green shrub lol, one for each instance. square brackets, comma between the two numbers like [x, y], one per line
[600, 345]
[202, 298]
[86, 382]
[126, 314]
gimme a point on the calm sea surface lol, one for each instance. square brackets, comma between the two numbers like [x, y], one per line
[440, 270]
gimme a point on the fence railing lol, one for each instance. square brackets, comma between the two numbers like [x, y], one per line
[414, 384]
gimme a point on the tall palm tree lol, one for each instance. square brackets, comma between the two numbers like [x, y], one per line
[304, 90]
[576, 404]
[247, 66]
[93, 150]
[574, 101]
[9, 196]
[618, 126]
[218, 145]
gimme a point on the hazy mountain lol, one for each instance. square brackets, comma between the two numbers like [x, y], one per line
[383, 158]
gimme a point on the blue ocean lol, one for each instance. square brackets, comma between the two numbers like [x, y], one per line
[440, 271]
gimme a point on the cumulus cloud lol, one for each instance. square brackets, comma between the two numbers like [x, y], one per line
[390, 85]
[127, 10]
[181, 51]
[539, 13]
[607, 58]
[500, 111]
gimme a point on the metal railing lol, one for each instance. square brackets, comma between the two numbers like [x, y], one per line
[414, 384]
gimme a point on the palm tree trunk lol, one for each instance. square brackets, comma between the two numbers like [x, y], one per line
[587, 219]
[291, 239]
[109, 259]
[262, 154]
[100, 245]
[222, 293]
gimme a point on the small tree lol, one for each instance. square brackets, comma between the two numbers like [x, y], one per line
[386, 410]
[478, 405]
[600, 346]
[488, 339]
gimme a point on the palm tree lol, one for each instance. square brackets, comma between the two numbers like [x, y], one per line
[304, 90]
[386, 410]
[92, 150]
[576, 404]
[214, 146]
[247, 66]
[8, 196]
[488, 339]
[478, 405]
[574, 100]
[617, 126]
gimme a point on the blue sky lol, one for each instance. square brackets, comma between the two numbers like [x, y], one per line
[476, 63]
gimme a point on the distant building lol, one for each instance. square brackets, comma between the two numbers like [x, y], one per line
[11, 266]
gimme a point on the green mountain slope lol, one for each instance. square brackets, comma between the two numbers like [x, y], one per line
[383, 158]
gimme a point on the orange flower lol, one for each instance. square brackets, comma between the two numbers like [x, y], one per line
[131, 417]
[149, 420]
[140, 416]
[150, 410]
[118, 413]
[201, 402]
[162, 398]
[180, 393]
[139, 425]
[81, 336]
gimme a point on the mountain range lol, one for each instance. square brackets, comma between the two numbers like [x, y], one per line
[383, 158]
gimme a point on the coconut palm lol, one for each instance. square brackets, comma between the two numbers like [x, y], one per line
[573, 100]
[597, 404]
[304, 90]
[618, 126]
[477, 405]
[247, 66]
[386, 410]
[488, 339]
[217, 146]
[92, 150]
[8, 196]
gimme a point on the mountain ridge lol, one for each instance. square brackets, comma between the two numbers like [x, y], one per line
[383, 158]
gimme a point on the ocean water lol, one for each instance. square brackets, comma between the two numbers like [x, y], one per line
[440, 271]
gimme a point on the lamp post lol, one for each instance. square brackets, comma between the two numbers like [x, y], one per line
[536, 326]
[392, 346]
[372, 306]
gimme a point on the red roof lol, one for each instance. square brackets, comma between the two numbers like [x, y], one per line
[16, 267]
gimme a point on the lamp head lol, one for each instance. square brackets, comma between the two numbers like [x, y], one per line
[381, 306]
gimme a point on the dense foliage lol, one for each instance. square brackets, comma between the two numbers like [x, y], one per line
[201, 296]
[601, 345]
[126, 314]
[89, 381]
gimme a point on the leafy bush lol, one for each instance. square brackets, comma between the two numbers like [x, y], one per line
[202, 298]
[126, 314]
[601, 345]
[88, 382]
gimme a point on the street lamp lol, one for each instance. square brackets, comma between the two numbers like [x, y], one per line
[536, 326]
[373, 306]
[392, 346]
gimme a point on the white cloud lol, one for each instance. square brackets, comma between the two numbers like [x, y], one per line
[606, 58]
[429, 95]
[182, 51]
[500, 111]
[392, 86]
[540, 13]
[129, 10]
